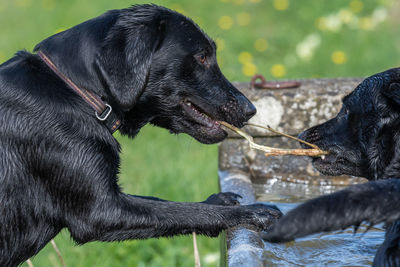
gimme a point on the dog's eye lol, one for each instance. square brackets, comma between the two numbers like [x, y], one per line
[201, 58]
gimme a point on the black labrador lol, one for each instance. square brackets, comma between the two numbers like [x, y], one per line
[363, 140]
[59, 162]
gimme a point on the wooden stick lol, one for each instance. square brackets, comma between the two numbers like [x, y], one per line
[29, 262]
[53, 243]
[196, 251]
[252, 174]
[283, 134]
[271, 151]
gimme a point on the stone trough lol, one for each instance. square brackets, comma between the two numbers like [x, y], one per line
[243, 170]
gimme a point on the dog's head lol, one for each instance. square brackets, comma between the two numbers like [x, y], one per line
[162, 68]
[363, 139]
[153, 65]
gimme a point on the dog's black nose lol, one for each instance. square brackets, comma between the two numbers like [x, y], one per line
[250, 110]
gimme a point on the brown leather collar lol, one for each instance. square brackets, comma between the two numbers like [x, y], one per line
[103, 111]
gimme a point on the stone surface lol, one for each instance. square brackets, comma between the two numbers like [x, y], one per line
[293, 110]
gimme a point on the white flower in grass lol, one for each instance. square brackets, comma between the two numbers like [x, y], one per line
[354, 23]
[333, 22]
[211, 258]
[345, 16]
[379, 15]
[305, 49]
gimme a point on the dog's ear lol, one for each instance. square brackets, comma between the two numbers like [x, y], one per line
[393, 92]
[126, 56]
[390, 84]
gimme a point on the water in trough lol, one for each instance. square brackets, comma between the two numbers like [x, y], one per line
[340, 248]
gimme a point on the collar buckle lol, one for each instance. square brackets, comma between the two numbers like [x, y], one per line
[103, 116]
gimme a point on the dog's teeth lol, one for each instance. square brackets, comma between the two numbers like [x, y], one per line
[323, 157]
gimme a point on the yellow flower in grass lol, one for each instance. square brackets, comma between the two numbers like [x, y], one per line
[366, 24]
[339, 57]
[59, 30]
[243, 19]
[23, 3]
[278, 70]
[356, 6]
[320, 23]
[48, 4]
[225, 22]
[245, 57]
[238, 2]
[249, 69]
[221, 61]
[178, 8]
[220, 44]
[198, 20]
[2, 6]
[281, 4]
[261, 45]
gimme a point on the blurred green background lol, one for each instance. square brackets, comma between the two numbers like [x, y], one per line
[281, 39]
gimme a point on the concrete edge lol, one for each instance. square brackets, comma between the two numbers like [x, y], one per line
[240, 246]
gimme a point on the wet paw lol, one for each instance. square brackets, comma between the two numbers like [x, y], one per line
[223, 199]
[262, 216]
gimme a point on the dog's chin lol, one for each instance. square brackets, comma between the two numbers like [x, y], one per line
[334, 165]
[208, 135]
[326, 168]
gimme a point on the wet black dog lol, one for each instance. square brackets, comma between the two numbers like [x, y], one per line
[363, 140]
[59, 163]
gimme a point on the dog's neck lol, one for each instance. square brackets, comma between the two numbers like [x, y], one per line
[77, 60]
[77, 70]
[103, 111]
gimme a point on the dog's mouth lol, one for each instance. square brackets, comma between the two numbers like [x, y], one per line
[201, 125]
[199, 116]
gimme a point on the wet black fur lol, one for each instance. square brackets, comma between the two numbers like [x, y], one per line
[364, 140]
[59, 164]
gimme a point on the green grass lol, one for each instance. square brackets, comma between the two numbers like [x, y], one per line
[177, 167]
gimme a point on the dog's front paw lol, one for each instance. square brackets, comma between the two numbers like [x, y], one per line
[224, 199]
[260, 217]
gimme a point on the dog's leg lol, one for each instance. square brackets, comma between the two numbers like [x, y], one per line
[131, 217]
[223, 198]
[372, 202]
